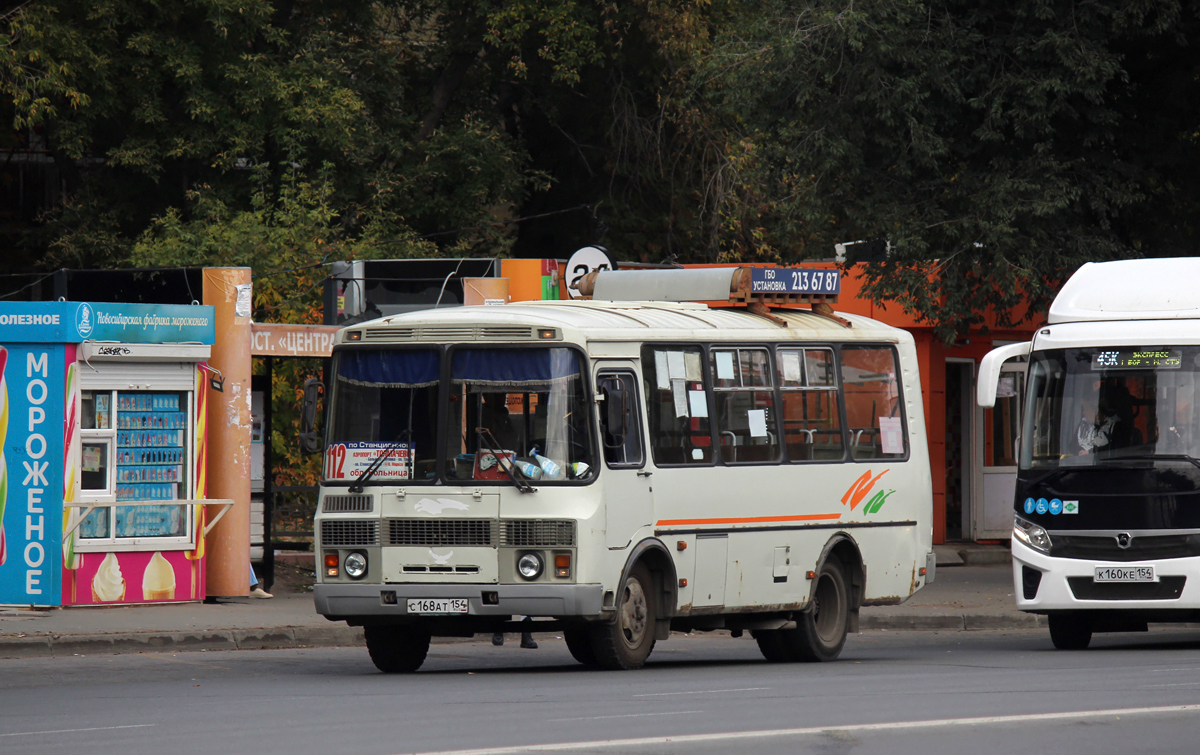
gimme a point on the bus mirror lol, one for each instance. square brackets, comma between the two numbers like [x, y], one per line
[989, 371]
[614, 408]
[310, 440]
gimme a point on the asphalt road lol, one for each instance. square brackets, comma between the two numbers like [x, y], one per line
[892, 692]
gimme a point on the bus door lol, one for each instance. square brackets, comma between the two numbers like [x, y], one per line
[1001, 427]
[626, 481]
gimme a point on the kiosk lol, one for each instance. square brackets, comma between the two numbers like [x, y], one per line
[102, 452]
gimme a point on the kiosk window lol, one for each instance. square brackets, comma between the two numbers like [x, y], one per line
[136, 448]
[812, 428]
[874, 415]
[676, 405]
[745, 405]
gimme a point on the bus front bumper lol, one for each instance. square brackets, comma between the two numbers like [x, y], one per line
[341, 601]
[1054, 592]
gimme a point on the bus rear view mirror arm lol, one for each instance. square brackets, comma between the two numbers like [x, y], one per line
[310, 439]
[989, 371]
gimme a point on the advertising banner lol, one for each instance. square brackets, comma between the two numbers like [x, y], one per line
[32, 395]
[133, 577]
[75, 322]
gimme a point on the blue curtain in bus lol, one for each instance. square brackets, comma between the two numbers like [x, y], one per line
[389, 369]
[530, 369]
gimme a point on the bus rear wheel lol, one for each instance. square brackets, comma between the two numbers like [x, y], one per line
[1070, 631]
[820, 631]
[626, 642]
[396, 650]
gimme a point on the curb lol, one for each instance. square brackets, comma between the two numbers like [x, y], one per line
[59, 646]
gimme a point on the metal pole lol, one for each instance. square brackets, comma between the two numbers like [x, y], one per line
[268, 561]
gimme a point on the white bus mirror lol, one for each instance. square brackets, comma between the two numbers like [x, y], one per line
[989, 371]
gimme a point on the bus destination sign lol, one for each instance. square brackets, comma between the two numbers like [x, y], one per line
[1138, 359]
[794, 280]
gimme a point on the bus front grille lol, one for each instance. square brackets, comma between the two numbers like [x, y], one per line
[349, 533]
[442, 532]
[538, 533]
[1141, 548]
[340, 504]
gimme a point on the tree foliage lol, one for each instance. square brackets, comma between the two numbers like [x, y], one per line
[995, 145]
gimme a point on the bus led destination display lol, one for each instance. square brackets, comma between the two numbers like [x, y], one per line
[1138, 359]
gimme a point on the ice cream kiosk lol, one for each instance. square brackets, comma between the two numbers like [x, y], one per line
[102, 452]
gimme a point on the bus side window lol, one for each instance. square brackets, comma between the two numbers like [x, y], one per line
[745, 401]
[812, 427]
[874, 415]
[676, 405]
[620, 428]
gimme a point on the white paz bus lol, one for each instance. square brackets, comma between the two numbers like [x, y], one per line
[1106, 535]
[619, 469]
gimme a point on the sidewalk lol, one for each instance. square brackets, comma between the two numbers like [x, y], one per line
[961, 598]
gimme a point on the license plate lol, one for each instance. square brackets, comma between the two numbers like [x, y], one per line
[1125, 574]
[437, 605]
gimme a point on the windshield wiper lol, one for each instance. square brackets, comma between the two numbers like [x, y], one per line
[357, 487]
[502, 461]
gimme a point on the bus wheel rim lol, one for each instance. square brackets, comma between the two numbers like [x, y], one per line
[634, 612]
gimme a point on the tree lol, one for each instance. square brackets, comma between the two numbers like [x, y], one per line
[996, 145]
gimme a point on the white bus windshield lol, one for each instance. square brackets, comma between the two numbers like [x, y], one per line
[1094, 406]
[526, 405]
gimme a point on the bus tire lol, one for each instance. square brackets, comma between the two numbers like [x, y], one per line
[772, 645]
[626, 642]
[396, 650]
[579, 642]
[820, 631]
[1070, 631]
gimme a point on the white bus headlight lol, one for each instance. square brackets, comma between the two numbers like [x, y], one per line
[355, 565]
[530, 565]
[1032, 535]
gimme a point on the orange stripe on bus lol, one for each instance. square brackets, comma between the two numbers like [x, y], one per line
[750, 519]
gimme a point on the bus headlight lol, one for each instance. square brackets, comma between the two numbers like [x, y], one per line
[355, 565]
[530, 565]
[1032, 535]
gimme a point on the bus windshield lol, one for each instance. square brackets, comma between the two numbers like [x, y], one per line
[528, 405]
[523, 405]
[1112, 405]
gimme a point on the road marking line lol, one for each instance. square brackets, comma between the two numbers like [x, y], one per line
[1177, 684]
[627, 715]
[701, 692]
[764, 733]
[69, 731]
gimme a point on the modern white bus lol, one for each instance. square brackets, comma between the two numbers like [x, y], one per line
[1107, 528]
[618, 470]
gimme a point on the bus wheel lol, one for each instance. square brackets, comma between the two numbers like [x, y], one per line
[821, 631]
[579, 642]
[1070, 631]
[626, 642]
[396, 650]
[773, 646]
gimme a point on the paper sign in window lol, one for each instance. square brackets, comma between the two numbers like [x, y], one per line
[662, 375]
[790, 362]
[698, 403]
[891, 435]
[679, 393]
[724, 365]
[692, 366]
[675, 366]
[758, 423]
